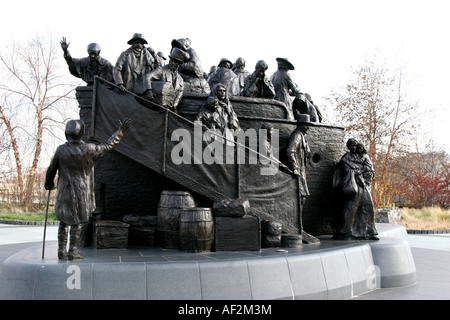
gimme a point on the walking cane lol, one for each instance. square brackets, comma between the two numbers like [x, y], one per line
[45, 223]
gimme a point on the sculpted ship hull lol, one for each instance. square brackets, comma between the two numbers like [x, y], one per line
[131, 179]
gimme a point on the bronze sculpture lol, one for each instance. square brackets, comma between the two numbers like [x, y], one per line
[257, 84]
[354, 211]
[271, 234]
[132, 65]
[156, 59]
[89, 67]
[161, 58]
[225, 76]
[167, 81]
[240, 71]
[211, 71]
[285, 87]
[217, 112]
[266, 143]
[191, 70]
[298, 153]
[303, 104]
[315, 113]
[75, 200]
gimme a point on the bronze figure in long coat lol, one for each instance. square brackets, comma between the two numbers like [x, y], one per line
[285, 87]
[75, 199]
[353, 216]
[132, 66]
[298, 153]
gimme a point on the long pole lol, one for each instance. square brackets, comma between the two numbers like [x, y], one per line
[300, 206]
[45, 223]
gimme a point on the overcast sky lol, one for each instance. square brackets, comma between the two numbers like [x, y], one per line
[324, 39]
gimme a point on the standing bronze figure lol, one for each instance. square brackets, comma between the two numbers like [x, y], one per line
[89, 67]
[225, 76]
[132, 65]
[285, 87]
[314, 113]
[298, 153]
[240, 71]
[354, 211]
[75, 199]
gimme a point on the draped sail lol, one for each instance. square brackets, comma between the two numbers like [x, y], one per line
[154, 141]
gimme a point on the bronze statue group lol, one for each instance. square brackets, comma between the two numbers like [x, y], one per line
[138, 68]
[143, 72]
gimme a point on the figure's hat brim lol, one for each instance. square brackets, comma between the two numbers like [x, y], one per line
[137, 37]
[286, 62]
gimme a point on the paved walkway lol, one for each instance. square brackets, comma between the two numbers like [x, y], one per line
[431, 254]
[14, 238]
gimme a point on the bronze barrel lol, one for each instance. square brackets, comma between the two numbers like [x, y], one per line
[169, 209]
[196, 229]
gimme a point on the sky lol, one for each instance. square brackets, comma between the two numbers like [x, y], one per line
[324, 39]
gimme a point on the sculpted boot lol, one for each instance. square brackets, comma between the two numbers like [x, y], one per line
[75, 235]
[62, 241]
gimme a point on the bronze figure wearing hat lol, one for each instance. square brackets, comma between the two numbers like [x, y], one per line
[224, 75]
[193, 66]
[284, 63]
[241, 72]
[191, 70]
[75, 199]
[165, 83]
[161, 58]
[298, 153]
[284, 86]
[132, 65]
[137, 37]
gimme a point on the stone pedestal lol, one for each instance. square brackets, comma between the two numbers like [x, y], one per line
[327, 270]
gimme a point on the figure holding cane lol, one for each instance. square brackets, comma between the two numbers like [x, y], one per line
[75, 198]
[45, 224]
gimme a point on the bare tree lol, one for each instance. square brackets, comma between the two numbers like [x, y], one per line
[373, 108]
[33, 101]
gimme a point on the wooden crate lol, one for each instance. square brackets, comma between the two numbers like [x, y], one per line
[110, 234]
[238, 234]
